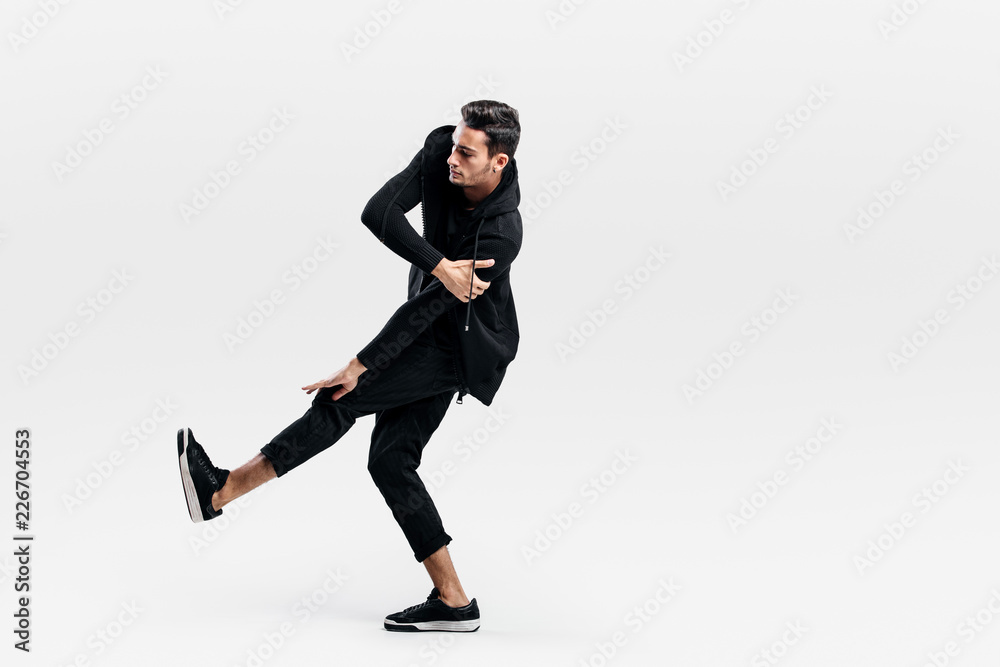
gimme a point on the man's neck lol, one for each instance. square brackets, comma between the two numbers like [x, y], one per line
[475, 195]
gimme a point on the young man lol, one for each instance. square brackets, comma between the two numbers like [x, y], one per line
[457, 332]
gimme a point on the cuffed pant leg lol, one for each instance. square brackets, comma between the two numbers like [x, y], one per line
[398, 440]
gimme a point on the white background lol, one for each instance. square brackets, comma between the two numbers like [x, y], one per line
[578, 394]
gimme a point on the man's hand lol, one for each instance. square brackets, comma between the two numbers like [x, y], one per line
[346, 377]
[455, 277]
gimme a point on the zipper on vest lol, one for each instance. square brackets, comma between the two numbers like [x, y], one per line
[455, 362]
[423, 210]
[462, 388]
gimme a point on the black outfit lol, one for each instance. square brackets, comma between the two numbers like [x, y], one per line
[442, 331]
[424, 354]
[487, 327]
[409, 399]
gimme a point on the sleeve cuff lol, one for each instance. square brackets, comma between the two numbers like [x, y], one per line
[367, 356]
[430, 257]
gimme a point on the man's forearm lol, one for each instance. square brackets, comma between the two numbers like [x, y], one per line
[417, 313]
[384, 215]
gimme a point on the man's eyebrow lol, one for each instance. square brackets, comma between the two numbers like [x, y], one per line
[468, 148]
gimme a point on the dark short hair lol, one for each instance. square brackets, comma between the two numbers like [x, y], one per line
[498, 120]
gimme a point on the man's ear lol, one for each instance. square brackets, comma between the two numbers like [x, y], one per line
[501, 160]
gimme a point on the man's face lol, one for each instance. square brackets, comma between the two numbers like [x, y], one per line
[468, 161]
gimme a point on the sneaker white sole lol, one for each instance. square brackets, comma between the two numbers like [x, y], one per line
[190, 494]
[453, 626]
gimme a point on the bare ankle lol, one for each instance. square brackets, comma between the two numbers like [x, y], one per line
[454, 598]
[221, 497]
[217, 501]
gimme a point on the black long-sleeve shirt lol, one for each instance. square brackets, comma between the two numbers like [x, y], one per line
[491, 230]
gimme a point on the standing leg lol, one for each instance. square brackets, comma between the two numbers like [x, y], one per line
[398, 440]
[397, 444]
[442, 572]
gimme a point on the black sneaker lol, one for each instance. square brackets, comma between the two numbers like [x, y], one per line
[433, 614]
[200, 478]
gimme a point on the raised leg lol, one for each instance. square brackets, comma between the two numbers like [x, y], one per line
[244, 479]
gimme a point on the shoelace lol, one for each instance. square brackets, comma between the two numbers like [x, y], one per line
[199, 455]
[423, 604]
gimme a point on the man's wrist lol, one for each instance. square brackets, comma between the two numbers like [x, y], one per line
[356, 366]
[436, 272]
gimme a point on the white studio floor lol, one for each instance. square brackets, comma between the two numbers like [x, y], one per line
[648, 571]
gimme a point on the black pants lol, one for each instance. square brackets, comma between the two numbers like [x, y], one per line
[409, 399]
